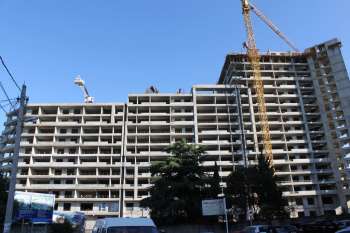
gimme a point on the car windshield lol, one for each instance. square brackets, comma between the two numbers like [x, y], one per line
[128, 229]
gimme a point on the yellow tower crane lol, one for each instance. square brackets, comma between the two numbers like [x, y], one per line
[254, 59]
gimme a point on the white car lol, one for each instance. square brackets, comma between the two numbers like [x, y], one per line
[125, 225]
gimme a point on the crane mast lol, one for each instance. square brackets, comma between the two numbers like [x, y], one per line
[254, 59]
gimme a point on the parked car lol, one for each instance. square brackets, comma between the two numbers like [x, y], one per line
[258, 229]
[320, 227]
[285, 229]
[342, 224]
[125, 225]
[345, 230]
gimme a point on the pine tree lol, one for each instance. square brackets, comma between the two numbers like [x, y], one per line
[178, 182]
[257, 188]
[214, 183]
[241, 186]
[271, 203]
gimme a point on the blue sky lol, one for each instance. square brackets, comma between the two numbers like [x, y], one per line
[123, 46]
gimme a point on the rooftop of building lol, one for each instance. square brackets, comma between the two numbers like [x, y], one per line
[96, 104]
[232, 56]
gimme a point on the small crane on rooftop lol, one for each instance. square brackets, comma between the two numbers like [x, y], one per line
[79, 82]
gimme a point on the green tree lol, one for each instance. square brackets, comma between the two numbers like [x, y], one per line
[178, 182]
[214, 188]
[3, 197]
[65, 227]
[271, 202]
[256, 187]
[240, 191]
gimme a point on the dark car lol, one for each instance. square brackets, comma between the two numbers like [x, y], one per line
[285, 229]
[258, 229]
[342, 224]
[320, 227]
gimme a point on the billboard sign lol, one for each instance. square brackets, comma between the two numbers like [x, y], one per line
[213, 207]
[35, 207]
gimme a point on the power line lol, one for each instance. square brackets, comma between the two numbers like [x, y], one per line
[3, 109]
[8, 104]
[9, 73]
[8, 100]
[4, 91]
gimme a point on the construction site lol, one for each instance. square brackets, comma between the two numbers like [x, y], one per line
[293, 107]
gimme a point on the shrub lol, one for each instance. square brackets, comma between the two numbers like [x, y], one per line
[65, 227]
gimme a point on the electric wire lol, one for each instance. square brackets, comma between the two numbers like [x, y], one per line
[4, 91]
[8, 100]
[3, 109]
[9, 73]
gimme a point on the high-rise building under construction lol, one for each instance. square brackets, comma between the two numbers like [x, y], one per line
[96, 158]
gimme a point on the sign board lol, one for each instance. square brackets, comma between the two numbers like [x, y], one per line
[35, 207]
[213, 207]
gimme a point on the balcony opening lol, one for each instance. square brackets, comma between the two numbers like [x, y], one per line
[86, 206]
[66, 206]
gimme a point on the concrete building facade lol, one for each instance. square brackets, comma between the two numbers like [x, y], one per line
[96, 158]
[307, 104]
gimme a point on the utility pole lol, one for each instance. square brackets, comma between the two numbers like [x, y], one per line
[12, 187]
[244, 151]
[241, 125]
[225, 209]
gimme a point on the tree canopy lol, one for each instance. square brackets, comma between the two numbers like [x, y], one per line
[255, 187]
[179, 185]
[271, 203]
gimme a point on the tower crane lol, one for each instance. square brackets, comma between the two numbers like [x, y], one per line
[273, 27]
[254, 59]
[79, 82]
